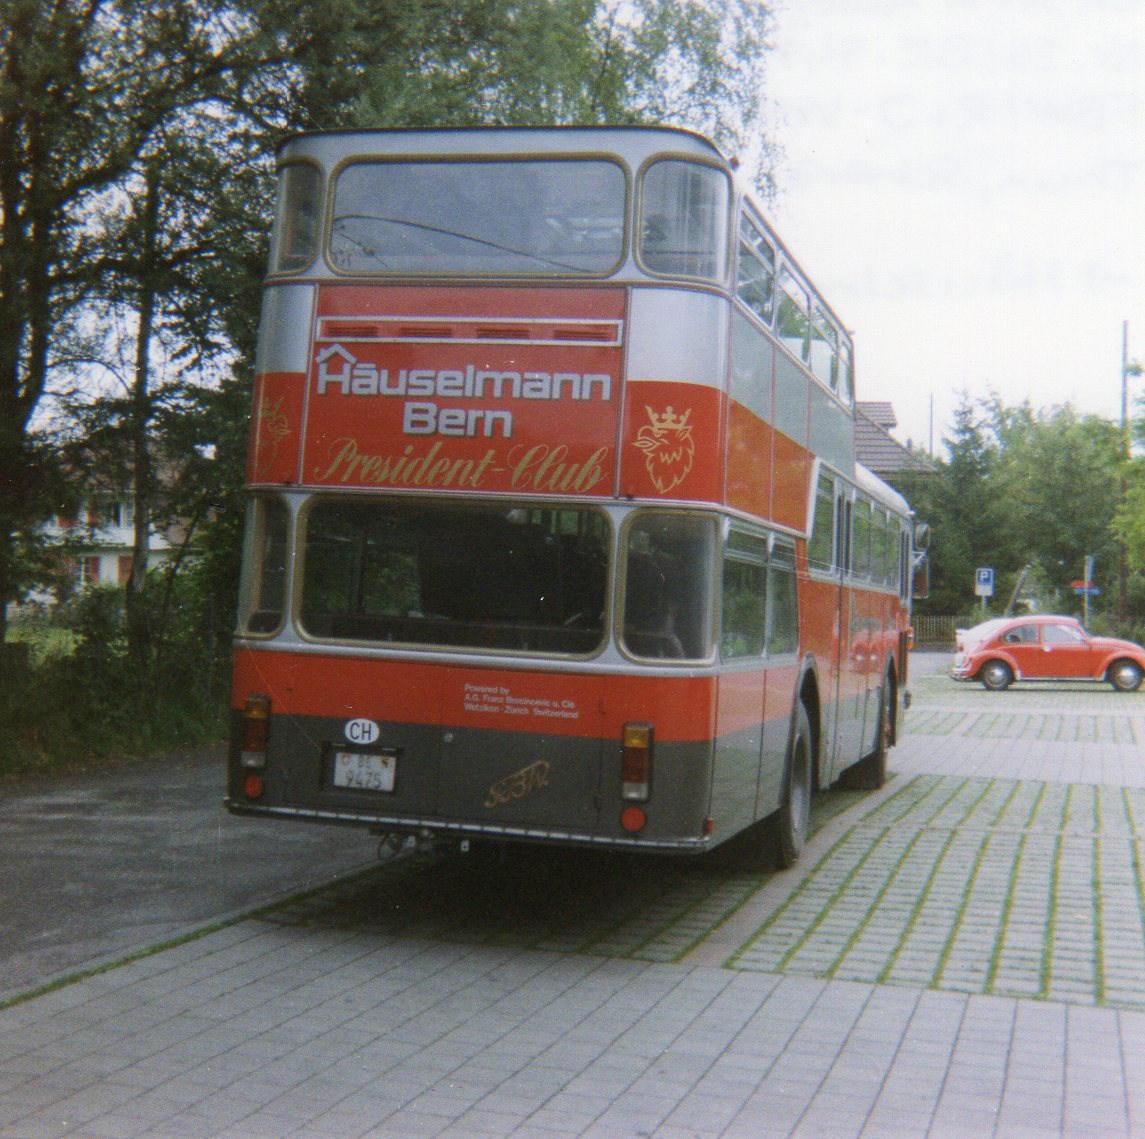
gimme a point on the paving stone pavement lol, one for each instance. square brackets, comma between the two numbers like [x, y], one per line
[959, 954]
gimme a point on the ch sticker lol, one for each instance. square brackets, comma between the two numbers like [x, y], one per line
[361, 731]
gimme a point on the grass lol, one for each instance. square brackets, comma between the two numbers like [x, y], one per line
[70, 699]
[45, 642]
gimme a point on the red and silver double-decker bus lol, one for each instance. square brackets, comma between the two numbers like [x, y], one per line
[556, 530]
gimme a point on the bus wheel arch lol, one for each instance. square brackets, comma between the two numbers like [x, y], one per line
[890, 725]
[809, 701]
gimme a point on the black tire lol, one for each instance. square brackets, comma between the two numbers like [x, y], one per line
[793, 819]
[996, 675]
[1125, 675]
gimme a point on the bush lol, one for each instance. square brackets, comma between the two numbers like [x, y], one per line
[97, 701]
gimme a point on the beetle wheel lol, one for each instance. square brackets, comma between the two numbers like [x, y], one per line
[1125, 675]
[996, 675]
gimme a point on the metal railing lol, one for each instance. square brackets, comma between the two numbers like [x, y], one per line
[937, 632]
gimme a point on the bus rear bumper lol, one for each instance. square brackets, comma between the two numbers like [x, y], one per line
[424, 828]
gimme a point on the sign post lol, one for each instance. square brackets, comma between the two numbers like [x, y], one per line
[984, 583]
[1086, 589]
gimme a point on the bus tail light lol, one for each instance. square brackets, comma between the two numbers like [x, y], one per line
[256, 729]
[632, 819]
[636, 763]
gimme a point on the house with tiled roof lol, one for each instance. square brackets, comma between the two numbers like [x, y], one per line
[878, 450]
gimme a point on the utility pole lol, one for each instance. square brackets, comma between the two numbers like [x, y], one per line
[1127, 370]
[1122, 550]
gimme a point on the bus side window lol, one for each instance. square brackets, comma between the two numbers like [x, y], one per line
[846, 383]
[821, 549]
[755, 275]
[742, 633]
[824, 351]
[264, 595]
[794, 323]
[861, 555]
[782, 601]
[294, 242]
[881, 560]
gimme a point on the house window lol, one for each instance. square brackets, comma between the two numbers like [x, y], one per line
[89, 571]
[111, 512]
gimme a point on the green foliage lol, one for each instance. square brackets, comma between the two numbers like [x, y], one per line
[89, 90]
[96, 702]
[135, 187]
[424, 63]
[1129, 521]
[958, 505]
[1029, 493]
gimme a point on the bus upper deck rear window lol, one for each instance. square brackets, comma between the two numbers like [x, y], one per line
[684, 210]
[520, 218]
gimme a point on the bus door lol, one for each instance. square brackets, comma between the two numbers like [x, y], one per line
[850, 664]
[741, 714]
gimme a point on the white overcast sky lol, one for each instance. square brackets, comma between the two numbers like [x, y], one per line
[964, 180]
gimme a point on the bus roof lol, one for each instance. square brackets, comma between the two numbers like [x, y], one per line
[869, 482]
[632, 141]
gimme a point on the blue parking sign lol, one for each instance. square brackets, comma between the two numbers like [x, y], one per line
[984, 581]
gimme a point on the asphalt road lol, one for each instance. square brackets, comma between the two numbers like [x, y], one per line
[97, 864]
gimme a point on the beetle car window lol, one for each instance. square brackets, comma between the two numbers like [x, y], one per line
[1022, 635]
[1062, 635]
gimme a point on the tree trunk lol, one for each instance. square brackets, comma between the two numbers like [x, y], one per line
[139, 632]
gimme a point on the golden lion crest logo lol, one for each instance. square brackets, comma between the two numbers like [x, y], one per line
[666, 440]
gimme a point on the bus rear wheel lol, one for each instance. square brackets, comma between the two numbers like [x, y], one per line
[793, 819]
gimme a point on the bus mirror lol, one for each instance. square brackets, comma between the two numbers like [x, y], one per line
[920, 579]
[922, 535]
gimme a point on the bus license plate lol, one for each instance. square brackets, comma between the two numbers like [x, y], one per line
[364, 772]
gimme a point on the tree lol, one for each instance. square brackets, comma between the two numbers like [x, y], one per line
[1058, 477]
[541, 62]
[1024, 492]
[84, 86]
[961, 511]
[177, 262]
[94, 94]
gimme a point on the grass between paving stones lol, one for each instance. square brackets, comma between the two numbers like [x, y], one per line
[1011, 918]
[1098, 923]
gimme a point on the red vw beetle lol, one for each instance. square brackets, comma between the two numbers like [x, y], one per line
[1005, 649]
